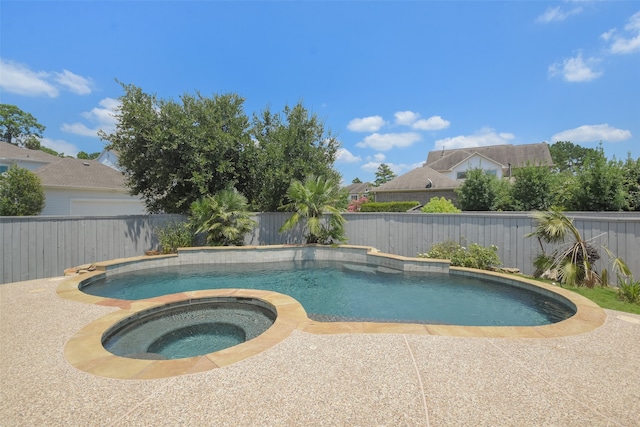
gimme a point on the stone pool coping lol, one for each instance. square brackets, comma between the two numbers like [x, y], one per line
[85, 351]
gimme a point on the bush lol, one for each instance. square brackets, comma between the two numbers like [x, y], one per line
[356, 205]
[629, 290]
[475, 256]
[388, 206]
[21, 193]
[174, 235]
[440, 205]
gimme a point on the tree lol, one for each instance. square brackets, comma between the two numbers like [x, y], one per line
[50, 151]
[87, 156]
[225, 217]
[310, 201]
[384, 174]
[478, 192]
[17, 127]
[174, 153]
[573, 261]
[532, 188]
[356, 180]
[568, 156]
[21, 193]
[631, 174]
[290, 146]
[599, 184]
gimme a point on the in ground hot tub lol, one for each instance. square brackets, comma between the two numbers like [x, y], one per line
[189, 328]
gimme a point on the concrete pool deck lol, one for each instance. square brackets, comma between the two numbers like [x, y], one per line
[315, 379]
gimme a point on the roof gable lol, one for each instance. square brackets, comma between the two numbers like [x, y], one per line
[13, 152]
[79, 173]
[421, 178]
[504, 154]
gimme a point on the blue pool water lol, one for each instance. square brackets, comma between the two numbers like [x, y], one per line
[332, 291]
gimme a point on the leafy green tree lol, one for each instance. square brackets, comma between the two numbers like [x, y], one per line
[310, 202]
[383, 174]
[174, 153]
[599, 184]
[631, 174]
[568, 156]
[503, 200]
[356, 180]
[532, 188]
[225, 217]
[17, 126]
[50, 151]
[478, 192]
[290, 146]
[87, 156]
[21, 193]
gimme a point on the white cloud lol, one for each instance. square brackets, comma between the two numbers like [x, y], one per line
[60, 146]
[592, 133]
[345, 156]
[398, 169]
[102, 117]
[366, 124]
[608, 35]
[626, 44]
[387, 141]
[406, 118]
[576, 69]
[432, 123]
[18, 78]
[556, 14]
[481, 138]
[73, 82]
[378, 157]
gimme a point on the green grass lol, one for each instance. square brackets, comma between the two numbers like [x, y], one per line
[604, 297]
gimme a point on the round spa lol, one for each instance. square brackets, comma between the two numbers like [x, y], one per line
[189, 328]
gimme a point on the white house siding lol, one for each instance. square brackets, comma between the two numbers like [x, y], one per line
[90, 203]
[475, 162]
[26, 164]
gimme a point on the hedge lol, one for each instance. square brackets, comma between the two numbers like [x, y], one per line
[388, 206]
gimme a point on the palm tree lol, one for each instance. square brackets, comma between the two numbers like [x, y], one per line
[311, 201]
[572, 261]
[225, 217]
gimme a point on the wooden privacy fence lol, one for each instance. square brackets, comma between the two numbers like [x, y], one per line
[37, 247]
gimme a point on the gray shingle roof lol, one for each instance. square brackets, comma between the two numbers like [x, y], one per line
[418, 179]
[13, 152]
[78, 173]
[360, 188]
[505, 154]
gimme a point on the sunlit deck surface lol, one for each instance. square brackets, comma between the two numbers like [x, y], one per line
[317, 378]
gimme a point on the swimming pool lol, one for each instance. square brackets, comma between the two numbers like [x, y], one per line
[85, 350]
[347, 291]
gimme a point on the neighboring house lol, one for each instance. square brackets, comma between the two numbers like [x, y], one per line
[110, 158]
[446, 170]
[497, 160]
[359, 190]
[421, 185]
[75, 186]
[12, 155]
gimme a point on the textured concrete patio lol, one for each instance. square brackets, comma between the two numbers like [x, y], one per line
[590, 379]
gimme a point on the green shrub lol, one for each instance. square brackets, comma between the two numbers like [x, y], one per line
[440, 205]
[475, 256]
[388, 206]
[174, 235]
[21, 193]
[629, 289]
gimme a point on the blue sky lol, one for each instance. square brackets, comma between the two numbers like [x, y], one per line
[393, 80]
